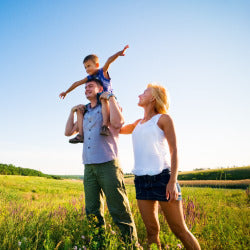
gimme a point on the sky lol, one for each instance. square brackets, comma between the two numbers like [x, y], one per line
[198, 50]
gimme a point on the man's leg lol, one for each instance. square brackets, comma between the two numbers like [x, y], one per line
[112, 183]
[94, 204]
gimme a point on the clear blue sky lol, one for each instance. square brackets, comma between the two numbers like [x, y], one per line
[199, 50]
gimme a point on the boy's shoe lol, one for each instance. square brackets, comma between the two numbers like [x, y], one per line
[78, 139]
[105, 131]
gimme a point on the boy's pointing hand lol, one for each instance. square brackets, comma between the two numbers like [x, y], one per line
[123, 51]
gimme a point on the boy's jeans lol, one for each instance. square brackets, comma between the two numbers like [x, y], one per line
[107, 178]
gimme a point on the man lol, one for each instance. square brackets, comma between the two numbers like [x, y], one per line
[102, 174]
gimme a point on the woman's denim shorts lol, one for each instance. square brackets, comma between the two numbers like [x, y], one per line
[153, 187]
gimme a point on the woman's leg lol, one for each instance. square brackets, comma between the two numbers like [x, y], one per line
[174, 214]
[149, 213]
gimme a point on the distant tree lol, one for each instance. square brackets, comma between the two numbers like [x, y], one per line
[9, 169]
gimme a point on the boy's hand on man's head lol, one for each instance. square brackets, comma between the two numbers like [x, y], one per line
[62, 95]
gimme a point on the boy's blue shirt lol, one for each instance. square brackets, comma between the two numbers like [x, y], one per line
[100, 76]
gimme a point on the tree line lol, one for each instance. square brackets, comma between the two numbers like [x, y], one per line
[9, 169]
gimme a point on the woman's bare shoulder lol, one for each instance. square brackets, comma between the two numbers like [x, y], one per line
[165, 118]
[164, 121]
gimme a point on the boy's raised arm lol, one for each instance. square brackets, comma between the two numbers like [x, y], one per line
[113, 58]
[73, 86]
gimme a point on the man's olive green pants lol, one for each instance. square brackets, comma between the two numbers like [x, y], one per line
[107, 178]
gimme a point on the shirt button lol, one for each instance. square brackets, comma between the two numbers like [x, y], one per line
[89, 129]
[89, 138]
[88, 147]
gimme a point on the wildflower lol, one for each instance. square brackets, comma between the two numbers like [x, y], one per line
[84, 248]
[19, 243]
[179, 246]
[112, 232]
[75, 247]
[137, 244]
[167, 246]
[83, 237]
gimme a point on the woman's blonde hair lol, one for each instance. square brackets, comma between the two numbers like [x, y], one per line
[161, 98]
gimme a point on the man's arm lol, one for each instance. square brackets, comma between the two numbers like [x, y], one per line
[112, 59]
[71, 126]
[115, 116]
[73, 86]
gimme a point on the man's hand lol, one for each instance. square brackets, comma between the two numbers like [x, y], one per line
[80, 107]
[62, 95]
[105, 95]
[122, 52]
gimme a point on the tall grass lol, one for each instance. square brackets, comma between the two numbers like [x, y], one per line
[40, 213]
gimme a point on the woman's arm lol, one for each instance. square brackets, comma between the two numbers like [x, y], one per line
[166, 124]
[129, 128]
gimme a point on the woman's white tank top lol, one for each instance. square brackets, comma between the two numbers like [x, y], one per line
[151, 152]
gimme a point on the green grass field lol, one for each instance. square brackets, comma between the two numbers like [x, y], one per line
[41, 213]
[237, 173]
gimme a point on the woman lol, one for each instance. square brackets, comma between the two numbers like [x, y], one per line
[152, 137]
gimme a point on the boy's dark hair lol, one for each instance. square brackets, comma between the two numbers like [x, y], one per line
[92, 57]
[97, 81]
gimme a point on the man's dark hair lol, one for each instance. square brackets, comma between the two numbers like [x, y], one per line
[97, 81]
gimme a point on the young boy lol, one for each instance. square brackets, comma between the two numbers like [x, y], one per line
[91, 64]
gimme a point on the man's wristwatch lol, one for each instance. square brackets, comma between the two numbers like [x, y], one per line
[109, 95]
